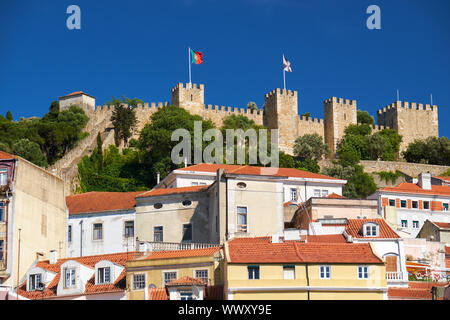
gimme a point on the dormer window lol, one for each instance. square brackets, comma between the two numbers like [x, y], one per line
[104, 275]
[3, 176]
[69, 277]
[34, 282]
[371, 229]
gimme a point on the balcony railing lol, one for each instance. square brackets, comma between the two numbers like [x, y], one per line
[166, 246]
[394, 275]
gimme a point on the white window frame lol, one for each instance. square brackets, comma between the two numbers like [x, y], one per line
[286, 275]
[125, 229]
[317, 193]
[293, 194]
[368, 229]
[33, 285]
[363, 272]
[406, 203]
[325, 272]
[414, 224]
[324, 193]
[101, 231]
[3, 176]
[139, 281]
[162, 233]
[202, 278]
[71, 281]
[164, 272]
[237, 219]
[401, 222]
[99, 278]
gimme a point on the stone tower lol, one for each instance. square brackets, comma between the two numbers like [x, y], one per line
[281, 112]
[410, 120]
[338, 114]
[79, 98]
[191, 98]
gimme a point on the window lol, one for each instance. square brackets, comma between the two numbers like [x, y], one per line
[415, 205]
[98, 231]
[324, 193]
[293, 194]
[187, 232]
[2, 212]
[426, 205]
[169, 276]
[242, 219]
[391, 202]
[325, 272]
[104, 275]
[69, 277]
[69, 233]
[3, 176]
[158, 234]
[404, 224]
[35, 281]
[444, 207]
[416, 224]
[363, 272]
[403, 203]
[1, 250]
[194, 183]
[289, 272]
[186, 295]
[138, 281]
[316, 192]
[158, 205]
[129, 229]
[202, 274]
[186, 203]
[253, 272]
[371, 230]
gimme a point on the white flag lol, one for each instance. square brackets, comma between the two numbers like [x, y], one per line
[286, 65]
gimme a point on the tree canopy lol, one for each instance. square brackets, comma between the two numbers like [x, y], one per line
[432, 150]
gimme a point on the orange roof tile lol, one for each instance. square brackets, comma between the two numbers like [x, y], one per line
[354, 228]
[415, 290]
[442, 225]
[261, 250]
[101, 201]
[252, 170]
[161, 192]
[75, 94]
[290, 204]
[445, 178]
[335, 196]
[91, 287]
[186, 281]
[5, 155]
[181, 253]
[411, 188]
[157, 294]
[327, 238]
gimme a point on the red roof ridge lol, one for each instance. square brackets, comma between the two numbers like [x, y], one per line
[165, 191]
[186, 280]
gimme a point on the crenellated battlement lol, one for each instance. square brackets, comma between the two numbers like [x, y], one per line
[181, 85]
[413, 106]
[340, 101]
[281, 92]
[310, 120]
[146, 105]
[234, 110]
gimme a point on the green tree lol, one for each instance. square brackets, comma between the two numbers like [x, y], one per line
[9, 116]
[252, 106]
[364, 117]
[307, 115]
[310, 146]
[30, 151]
[358, 130]
[432, 150]
[392, 144]
[124, 121]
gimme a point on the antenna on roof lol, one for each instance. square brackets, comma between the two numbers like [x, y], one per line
[431, 96]
[398, 95]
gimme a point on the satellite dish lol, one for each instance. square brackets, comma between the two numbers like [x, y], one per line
[152, 286]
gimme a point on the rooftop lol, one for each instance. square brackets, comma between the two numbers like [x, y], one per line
[5, 155]
[204, 252]
[76, 93]
[186, 281]
[442, 225]
[262, 250]
[259, 171]
[161, 192]
[411, 188]
[101, 201]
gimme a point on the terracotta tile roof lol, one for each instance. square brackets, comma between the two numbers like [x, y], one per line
[186, 281]
[412, 188]
[442, 225]
[157, 294]
[328, 238]
[204, 252]
[254, 250]
[290, 204]
[415, 290]
[447, 257]
[161, 192]
[335, 196]
[354, 228]
[259, 171]
[100, 201]
[75, 94]
[445, 178]
[89, 261]
[6, 156]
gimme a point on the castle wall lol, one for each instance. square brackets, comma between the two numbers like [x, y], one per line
[309, 126]
[412, 121]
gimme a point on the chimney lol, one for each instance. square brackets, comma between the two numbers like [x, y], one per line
[53, 256]
[291, 234]
[276, 238]
[424, 181]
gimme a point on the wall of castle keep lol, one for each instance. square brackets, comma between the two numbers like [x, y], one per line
[411, 120]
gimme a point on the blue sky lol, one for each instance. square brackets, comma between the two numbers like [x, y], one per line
[139, 49]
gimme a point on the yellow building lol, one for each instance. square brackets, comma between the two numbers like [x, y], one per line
[193, 274]
[270, 268]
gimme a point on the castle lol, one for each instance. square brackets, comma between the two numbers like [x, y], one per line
[412, 121]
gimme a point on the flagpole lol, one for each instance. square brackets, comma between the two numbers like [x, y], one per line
[284, 76]
[189, 56]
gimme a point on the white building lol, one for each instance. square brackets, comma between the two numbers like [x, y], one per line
[407, 206]
[101, 223]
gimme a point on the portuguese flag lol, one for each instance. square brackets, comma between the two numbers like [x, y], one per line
[196, 57]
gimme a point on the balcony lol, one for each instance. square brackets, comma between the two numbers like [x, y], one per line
[394, 275]
[169, 246]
